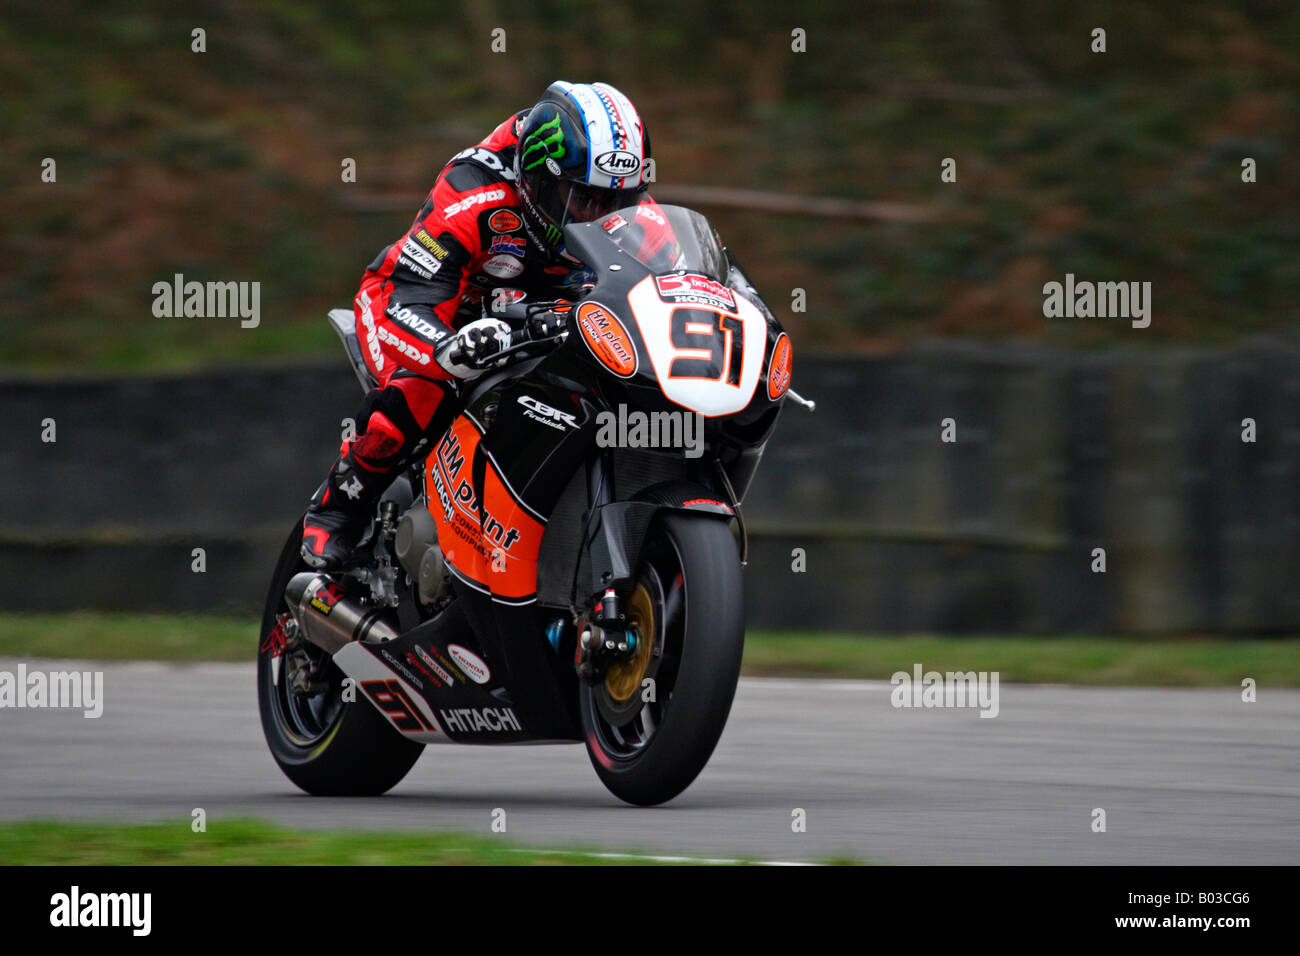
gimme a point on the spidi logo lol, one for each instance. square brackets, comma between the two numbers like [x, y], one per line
[474, 199]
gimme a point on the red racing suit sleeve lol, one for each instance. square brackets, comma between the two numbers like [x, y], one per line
[425, 275]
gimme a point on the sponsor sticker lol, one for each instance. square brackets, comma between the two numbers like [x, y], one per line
[402, 669]
[691, 287]
[474, 199]
[607, 339]
[613, 223]
[473, 665]
[778, 372]
[407, 317]
[456, 672]
[413, 250]
[420, 271]
[434, 666]
[411, 659]
[372, 336]
[478, 719]
[618, 162]
[433, 245]
[326, 597]
[706, 501]
[510, 244]
[503, 220]
[503, 266]
[551, 417]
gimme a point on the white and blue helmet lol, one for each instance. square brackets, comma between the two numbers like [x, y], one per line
[582, 154]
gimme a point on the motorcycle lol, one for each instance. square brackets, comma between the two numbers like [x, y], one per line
[547, 573]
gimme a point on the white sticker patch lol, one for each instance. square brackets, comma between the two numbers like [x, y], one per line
[473, 665]
[503, 266]
[413, 250]
[709, 397]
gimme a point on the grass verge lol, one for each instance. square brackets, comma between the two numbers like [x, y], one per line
[1167, 661]
[241, 842]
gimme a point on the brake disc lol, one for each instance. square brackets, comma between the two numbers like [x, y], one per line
[623, 690]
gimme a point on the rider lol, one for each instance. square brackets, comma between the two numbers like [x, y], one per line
[492, 220]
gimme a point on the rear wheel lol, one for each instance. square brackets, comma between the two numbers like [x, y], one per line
[325, 746]
[652, 722]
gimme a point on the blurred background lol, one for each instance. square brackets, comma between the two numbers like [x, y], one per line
[821, 169]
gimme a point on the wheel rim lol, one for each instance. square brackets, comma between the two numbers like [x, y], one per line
[623, 723]
[305, 722]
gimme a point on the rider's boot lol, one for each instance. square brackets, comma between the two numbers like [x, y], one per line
[345, 502]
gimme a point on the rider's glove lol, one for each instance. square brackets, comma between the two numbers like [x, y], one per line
[469, 352]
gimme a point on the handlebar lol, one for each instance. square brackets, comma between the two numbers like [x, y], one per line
[542, 324]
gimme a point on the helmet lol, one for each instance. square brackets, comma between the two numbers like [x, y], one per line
[582, 154]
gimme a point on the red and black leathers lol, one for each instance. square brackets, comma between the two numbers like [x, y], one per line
[468, 239]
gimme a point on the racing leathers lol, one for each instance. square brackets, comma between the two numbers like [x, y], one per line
[416, 300]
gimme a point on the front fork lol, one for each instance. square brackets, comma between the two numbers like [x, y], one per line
[603, 635]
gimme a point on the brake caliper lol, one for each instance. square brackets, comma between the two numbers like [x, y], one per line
[306, 677]
[603, 641]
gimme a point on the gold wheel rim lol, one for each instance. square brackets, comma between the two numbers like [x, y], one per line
[623, 679]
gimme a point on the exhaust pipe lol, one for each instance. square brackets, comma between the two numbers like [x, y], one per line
[328, 619]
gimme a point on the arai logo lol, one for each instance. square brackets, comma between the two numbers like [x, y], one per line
[618, 162]
[473, 666]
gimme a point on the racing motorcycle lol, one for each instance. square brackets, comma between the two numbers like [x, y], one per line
[541, 576]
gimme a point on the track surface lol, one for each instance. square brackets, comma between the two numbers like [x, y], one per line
[1185, 776]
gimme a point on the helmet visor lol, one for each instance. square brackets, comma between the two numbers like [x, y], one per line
[564, 201]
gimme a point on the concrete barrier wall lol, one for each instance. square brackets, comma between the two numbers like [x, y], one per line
[1056, 454]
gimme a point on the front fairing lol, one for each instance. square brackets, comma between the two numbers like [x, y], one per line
[671, 322]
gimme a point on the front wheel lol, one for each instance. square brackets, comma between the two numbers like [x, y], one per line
[324, 745]
[653, 720]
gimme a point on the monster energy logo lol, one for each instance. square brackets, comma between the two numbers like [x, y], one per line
[541, 144]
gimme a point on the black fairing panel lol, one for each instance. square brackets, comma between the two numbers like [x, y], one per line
[538, 434]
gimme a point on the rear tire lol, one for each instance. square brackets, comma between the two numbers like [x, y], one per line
[326, 747]
[690, 571]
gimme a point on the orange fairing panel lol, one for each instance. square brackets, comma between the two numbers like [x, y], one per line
[449, 487]
[498, 551]
[512, 538]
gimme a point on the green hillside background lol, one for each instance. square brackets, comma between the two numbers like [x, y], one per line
[226, 164]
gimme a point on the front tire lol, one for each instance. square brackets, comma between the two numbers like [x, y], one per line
[689, 597]
[325, 746]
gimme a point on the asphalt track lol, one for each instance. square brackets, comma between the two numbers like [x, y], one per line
[1185, 776]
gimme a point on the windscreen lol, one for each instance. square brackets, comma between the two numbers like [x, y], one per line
[662, 238]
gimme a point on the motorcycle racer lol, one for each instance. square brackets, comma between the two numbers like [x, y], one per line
[493, 220]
